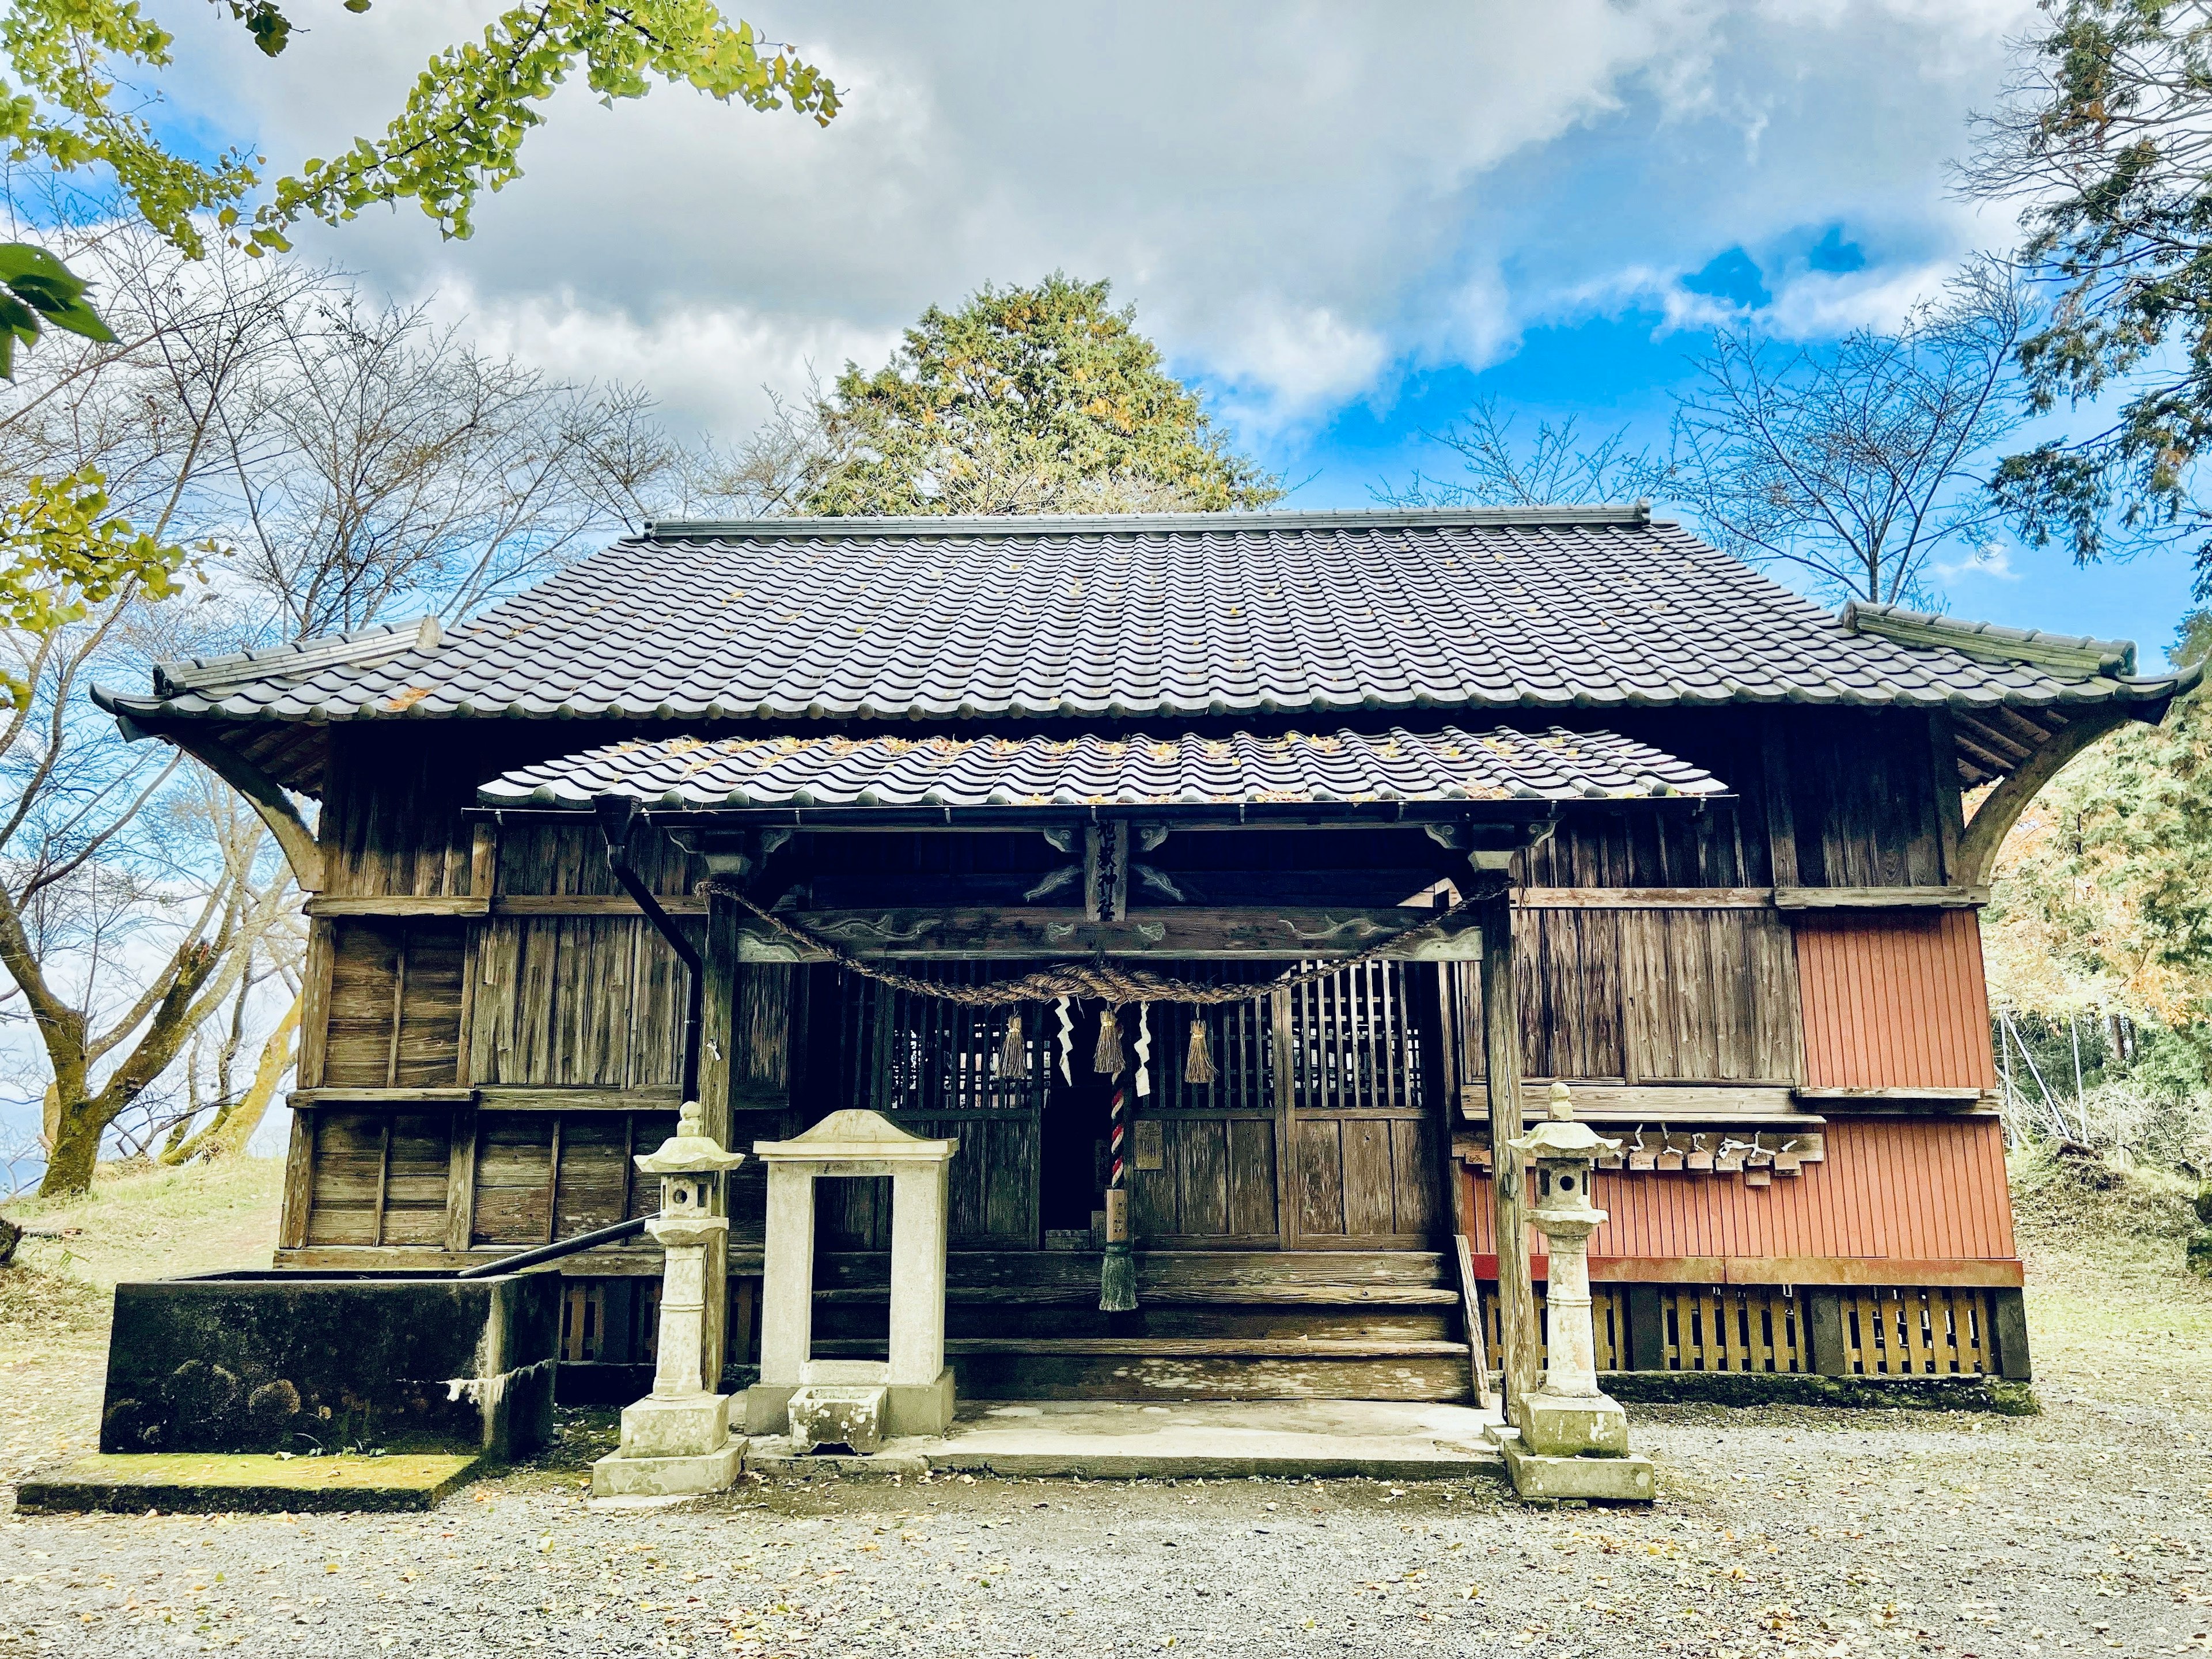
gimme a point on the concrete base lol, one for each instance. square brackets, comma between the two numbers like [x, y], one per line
[684, 1425]
[920, 1407]
[767, 1407]
[925, 1408]
[1335, 1439]
[1572, 1426]
[670, 1447]
[619, 1475]
[848, 1417]
[1607, 1480]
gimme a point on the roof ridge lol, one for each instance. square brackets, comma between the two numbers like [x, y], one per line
[2082, 653]
[1629, 513]
[368, 646]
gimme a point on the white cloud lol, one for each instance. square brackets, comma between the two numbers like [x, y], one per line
[1993, 560]
[707, 365]
[1303, 202]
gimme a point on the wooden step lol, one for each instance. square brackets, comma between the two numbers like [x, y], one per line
[1206, 1347]
[1037, 1275]
[1178, 1368]
[1175, 1295]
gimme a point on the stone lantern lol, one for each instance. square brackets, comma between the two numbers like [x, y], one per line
[677, 1439]
[1573, 1438]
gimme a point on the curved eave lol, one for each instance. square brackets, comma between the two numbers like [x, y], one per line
[1259, 814]
[2096, 690]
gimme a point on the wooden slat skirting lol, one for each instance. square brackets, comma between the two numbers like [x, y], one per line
[1784, 1270]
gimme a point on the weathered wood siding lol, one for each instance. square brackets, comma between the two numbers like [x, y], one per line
[1651, 995]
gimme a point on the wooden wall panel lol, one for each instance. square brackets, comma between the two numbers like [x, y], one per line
[577, 1001]
[415, 1179]
[1647, 996]
[1896, 1000]
[1862, 792]
[515, 1161]
[380, 1178]
[381, 971]
[1907, 1189]
[364, 985]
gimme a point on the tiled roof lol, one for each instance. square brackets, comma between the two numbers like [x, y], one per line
[1144, 617]
[1034, 770]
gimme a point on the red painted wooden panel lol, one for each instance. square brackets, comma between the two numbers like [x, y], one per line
[1897, 1001]
[1909, 1189]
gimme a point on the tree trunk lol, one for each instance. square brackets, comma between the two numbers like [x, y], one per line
[228, 1135]
[76, 1151]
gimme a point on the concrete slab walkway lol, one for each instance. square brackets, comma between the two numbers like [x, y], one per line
[1388, 1440]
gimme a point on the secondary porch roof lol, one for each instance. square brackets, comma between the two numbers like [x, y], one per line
[1445, 765]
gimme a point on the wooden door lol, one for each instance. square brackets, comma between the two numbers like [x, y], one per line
[1205, 1170]
[1364, 1158]
[931, 1066]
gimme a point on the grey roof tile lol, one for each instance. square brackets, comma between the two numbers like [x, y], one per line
[1152, 618]
[1445, 764]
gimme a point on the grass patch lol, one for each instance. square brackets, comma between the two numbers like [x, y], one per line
[2113, 1308]
[199, 1481]
[141, 1221]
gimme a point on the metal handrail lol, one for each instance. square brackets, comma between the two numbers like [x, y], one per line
[532, 1258]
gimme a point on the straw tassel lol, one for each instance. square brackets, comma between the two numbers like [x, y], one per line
[1198, 1063]
[1014, 1053]
[1108, 1059]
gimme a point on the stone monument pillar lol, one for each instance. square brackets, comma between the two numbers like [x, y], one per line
[677, 1439]
[857, 1403]
[1572, 1438]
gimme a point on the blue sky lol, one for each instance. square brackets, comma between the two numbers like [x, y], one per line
[1346, 225]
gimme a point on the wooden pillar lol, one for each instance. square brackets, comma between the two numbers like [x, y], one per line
[1501, 1057]
[721, 1061]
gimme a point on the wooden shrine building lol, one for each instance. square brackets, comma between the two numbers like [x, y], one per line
[1700, 841]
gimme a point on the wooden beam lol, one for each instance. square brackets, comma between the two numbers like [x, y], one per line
[1781, 813]
[399, 904]
[1898, 1099]
[301, 849]
[2001, 808]
[502, 904]
[461, 1182]
[299, 1183]
[444, 1095]
[1943, 777]
[507, 1097]
[1643, 899]
[1671, 1102]
[1881, 898]
[1193, 931]
[1806, 1270]
[1501, 1055]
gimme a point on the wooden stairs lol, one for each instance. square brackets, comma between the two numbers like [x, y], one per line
[1210, 1325]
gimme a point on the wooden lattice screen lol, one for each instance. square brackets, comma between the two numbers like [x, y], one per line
[1735, 1330]
[1918, 1333]
[1886, 1333]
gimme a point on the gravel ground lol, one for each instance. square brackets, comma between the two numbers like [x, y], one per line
[2087, 1529]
